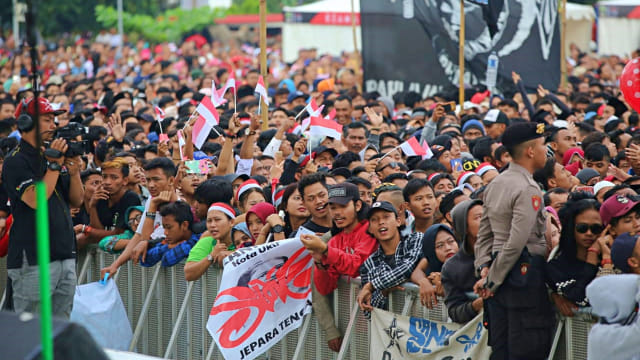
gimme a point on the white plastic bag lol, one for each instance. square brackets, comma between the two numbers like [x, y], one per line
[98, 307]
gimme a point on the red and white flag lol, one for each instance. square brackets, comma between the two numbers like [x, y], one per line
[262, 90]
[231, 83]
[411, 147]
[323, 127]
[206, 121]
[159, 113]
[312, 108]
[331, 115]
[217, 96]
[427, 149]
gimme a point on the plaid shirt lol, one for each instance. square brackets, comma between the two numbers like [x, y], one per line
[169, 257]
[382, 276]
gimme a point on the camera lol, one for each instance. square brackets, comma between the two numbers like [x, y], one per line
[70, 133]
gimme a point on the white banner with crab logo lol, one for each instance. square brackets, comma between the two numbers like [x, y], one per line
[395, 336]
[265, 293]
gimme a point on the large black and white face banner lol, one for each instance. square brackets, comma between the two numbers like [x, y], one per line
[412, 45]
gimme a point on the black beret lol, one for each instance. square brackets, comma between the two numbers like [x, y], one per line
[521, 132]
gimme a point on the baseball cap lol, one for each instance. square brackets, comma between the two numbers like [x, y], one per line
[44, 107]
[381, 205]
[614, 207]
[320, 149]
[295, 95]
[602, 185]
[622, 249]
[343, 193]
[495, 116]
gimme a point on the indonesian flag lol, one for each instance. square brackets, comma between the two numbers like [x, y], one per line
[231, 83]
[427, 149]
[313, 109]
[217, 96]
[181, 143]
[262, 90]
[206, 121]
[323, 127]
[331, 115]
[159, 113]
[411, 147]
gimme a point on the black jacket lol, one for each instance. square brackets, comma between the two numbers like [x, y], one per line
[458, 275]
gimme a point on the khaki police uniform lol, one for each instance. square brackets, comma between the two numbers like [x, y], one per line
[511, 242]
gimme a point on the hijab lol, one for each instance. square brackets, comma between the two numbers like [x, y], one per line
[429, 246]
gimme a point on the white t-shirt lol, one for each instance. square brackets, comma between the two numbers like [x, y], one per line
[158, 230]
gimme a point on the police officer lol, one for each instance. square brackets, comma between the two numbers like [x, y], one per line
[510, 252]
[25, 166]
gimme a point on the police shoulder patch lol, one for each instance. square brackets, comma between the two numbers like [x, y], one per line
[535, 202]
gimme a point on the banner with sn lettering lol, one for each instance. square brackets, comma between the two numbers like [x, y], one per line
[265, 293]
[395, 336]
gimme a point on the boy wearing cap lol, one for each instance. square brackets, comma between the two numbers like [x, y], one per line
[511, 236]
[625, 253]
[349, 247]
[393, 262]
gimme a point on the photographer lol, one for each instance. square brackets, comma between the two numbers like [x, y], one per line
[22, 169]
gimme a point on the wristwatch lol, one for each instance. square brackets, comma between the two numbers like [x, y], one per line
[209, 257]
[277, 229]
[54, 166]
[249, 132]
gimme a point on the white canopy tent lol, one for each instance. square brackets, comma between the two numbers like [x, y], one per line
[618, 26]
[579, 24]
[324, 25]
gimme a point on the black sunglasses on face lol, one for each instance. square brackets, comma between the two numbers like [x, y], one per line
[595, 228]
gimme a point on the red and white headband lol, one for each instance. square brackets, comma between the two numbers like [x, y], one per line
[224, 208]
[246, 186]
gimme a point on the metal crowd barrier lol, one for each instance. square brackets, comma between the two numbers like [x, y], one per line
[168, 315]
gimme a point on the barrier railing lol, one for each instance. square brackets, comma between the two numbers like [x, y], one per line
[169, 315]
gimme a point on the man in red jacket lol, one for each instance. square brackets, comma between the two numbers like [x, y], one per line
[347, 250]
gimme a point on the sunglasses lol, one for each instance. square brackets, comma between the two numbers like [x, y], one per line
[595, 228]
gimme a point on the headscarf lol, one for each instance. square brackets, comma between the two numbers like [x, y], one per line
[262, 211]
[128, 211]
[242, 227]
[429, 246]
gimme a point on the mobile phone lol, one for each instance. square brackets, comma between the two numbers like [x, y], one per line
[587, 189]
[448, 106]
[197, 166]
[456, 165]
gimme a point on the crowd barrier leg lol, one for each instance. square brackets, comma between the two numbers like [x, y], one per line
[212, 348]
[347, 333]
[145, 309]
[178, 321]
[4, 297]
[84, 268]
[556, 339]
[302, 336]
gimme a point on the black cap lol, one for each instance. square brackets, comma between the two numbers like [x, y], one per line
[518, 133]
[343, 193]
[381, 205]
[495, 116]
[320, 149]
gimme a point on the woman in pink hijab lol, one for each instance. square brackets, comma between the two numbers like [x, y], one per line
[257, 217]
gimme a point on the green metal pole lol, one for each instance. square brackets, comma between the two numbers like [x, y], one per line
[42, 232]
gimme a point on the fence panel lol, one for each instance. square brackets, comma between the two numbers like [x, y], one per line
[194, 342]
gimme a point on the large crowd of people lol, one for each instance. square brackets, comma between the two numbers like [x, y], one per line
[535, 191]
